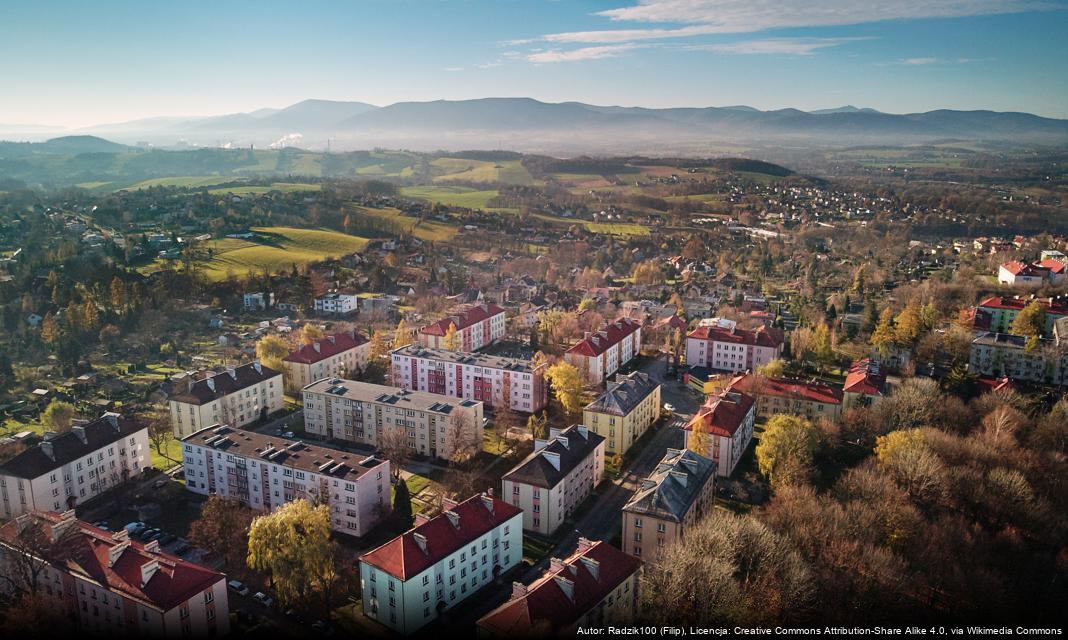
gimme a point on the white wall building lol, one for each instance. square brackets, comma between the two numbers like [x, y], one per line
[337, 304]
[265, 472]
[722, 346]
[601, 354]
[236, 396]
[258, 301]
[727, 418]
[477, 325]
[335, 356]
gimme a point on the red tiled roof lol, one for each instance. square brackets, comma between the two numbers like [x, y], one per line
[1056, 306]
[328, 346]
[722, 413]
[1054, 265]
[673, 321]
[547, 607]
[1017, 268]
[86, 553]
[865, 377]
[761, 337]
[796, 389]
[987, 385]
[612, 333]
[463, 317]
[403, 557]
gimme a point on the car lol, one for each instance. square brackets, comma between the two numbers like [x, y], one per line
[147, 534]
[101, 525]
[135, 528]
[670, 408]
[238, 587]
[263, 599]
[288, 434]
[167, 538]
[159, 484]
[180, 549]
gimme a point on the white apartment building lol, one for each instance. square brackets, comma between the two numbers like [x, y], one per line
[258, 301]
[556, 478]
[65, 470]
[599, 355]
[362, 412]
[113, 586]
[722, 346]
[334, 356]
[414, 578]
[493, 380]
[477, 325]
[337, 304]
[1003, 354]
[727, 418]
[236, 396]
[265, 472]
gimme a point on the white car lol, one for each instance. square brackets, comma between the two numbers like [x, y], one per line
[670, 408]
[238, 587]
[263, 599]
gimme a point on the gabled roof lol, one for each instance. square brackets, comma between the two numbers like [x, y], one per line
[671, 489]
[462, 317]
[327, 347]
[1056, 306]
[405, 557]
[548, 466]
[612, 334]
[760, 337]
[565, 593]
[209, 385]
[87, 552]
[1053, 265]
[57, 451]
[723, 413]
[624, 394]
[1017, 268]
[806, 390]
[866, 377]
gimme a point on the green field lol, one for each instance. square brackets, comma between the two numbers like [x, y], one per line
[182, 181]
[617, 229]
[429, 230]
[464, 170]
[284, 247]
[284, 187]
[453, 196]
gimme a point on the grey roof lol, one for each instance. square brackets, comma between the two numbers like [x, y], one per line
[624, 394]
[1005, 339]
[80, 441]
[673, 486]
[573, 445]
[463, 357]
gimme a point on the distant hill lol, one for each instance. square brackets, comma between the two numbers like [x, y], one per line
[846, 109]
[63, 146]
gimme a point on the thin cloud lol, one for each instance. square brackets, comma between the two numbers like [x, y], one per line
[777, 46]
[919, 62]
[585, 53]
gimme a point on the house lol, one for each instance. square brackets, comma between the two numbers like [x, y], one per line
[264, 472]
[65, 470]
[1020, 273]
[362, 412]
[336, 304]
[727, 418]
[719, 344]
[1006, 355]
[624, 411]
[1003, 310]
[236, 396]
[258, 301]
[496, 381]
[414, 578]
[333, 356]
[550, 483]
[112, 586]
[601, 354]
[597, 585]
[288, 307]
[809, 399]
[476, 325]
[865, 383]
[677, 494]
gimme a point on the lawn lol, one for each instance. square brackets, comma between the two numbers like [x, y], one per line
[464, 170]
[283, 187]
[284, 246]
[617, 229]
[451, 195]
[172, 454]
[428, 230]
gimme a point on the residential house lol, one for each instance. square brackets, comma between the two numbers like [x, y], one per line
[624, 411]
[601, 354]
[727, 419]
[865, 383]
[333, 356]
[336, 304]
[258, 301]
[809, 399]
[477, 326]
[236, 396]
[721, 345]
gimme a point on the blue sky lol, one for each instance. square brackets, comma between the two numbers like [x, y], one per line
[78, 63]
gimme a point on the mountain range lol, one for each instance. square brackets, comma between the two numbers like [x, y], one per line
[525, 124]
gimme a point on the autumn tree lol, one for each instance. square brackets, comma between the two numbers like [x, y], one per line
[393, 446]
[310, 332]
[379, 344]
[787, 449]
[538, 425]
[292, 545]
[1031, 321]
[223, 526]
[270, 350]
[452, 340]
[32, 546]
[567, 385]
[907, 457]
[884, 337]
[402, 335]
[699, 440]
[59, 415]
[772, 369]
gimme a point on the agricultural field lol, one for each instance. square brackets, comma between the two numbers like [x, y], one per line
[180, 181]
[428, 230]
[464, 170]
[617, 228]
[452, 195]
[284, 187]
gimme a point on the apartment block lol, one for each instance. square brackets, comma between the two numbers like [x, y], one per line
[809, 399]
[362, 412]
[678, 493]
[65, 470]
[235, 396]
[624, 411]
[477, 325]
[599, 355]
[414, 578]
[336, 304]
[335, 356]
[495, 381]
[727, 419]
[597, 586]
[112, 586]
[1014, 357]
[556, 478]
[722, 346]
[1002, 311]
[265, 472]
[865, 383]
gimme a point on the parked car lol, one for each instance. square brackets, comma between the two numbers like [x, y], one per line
[159, 484]
[670, 408]
[135, 528]
[238, 587]
[180, 549]
[167, 538]
[263, 599]
[147, 534]
[101, 525]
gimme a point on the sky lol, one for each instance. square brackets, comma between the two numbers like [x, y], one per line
[76, 63]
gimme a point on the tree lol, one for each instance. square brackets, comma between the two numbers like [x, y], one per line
[51, 332]
[393, 446]
[223, 526]
[379, 344]
[59, 415]
[1031, 321]
[270, 350]
[567, 385]
[884, 337]
[159, 433]
[504, 421]
[35, 544]
[908, 458]
[402, 501]
[402, 335]
[538, 426]
[787, 449]
[773, 369]
[463, 438]
[451, 341]
[698, 440]
[110, 336]
[310, 332]
[293, 546]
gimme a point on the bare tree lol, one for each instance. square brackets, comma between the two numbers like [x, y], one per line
[393, 445]
[29, 545]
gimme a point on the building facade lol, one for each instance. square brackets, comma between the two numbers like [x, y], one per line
[362, 412]
[334, 356]
[597, 586]
[411, 580]
[495, 381]
[1003, 310]
[601, 354]
[336, 304]
[678, 493]
[264, 472]
[865, 383]
[236, 396]
[726, 418]
[724, 347]
[477, 325]
[111, 586]
[65, 470]
[1014, 357]
[556, 478]
[809, 399]
[624, 411]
